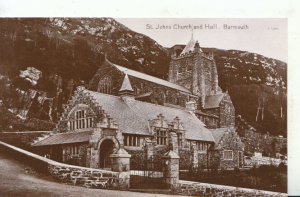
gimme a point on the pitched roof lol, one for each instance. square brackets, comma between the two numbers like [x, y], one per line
[126, 85]
[133, 116]
[150, 78]
[218, 133]
[213, 101]
[65, 138]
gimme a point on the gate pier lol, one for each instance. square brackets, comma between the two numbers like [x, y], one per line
[171, 170]
[120, 162]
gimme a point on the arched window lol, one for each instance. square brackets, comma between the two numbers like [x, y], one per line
[105, 85]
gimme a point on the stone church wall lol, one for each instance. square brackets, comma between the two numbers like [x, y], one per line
[227, 112]
[160, 94]
[194, 71]
[181, 70]
[231, 163]
[79, 159]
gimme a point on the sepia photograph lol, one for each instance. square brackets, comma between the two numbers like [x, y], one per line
[120, 106]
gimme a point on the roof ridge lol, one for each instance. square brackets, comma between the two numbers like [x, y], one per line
[216, 94]
[142, 73]
[102, 93]
[116, 65]
[141, 101]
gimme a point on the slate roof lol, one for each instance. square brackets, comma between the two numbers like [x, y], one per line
[218, 133]
[150, 78]
[133, 116]
[213, 101]
[65, 138]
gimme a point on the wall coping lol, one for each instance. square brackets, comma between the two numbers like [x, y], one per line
[51, 162]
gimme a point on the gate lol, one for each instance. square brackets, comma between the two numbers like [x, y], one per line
[149, 175]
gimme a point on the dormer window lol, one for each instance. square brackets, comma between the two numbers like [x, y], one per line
[161, 137]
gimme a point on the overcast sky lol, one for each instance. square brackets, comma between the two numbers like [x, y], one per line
[263, 36]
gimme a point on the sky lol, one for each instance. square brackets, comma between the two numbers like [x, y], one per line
[267, 37]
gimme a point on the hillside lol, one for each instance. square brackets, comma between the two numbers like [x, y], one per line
[62, 53]
[257, 86]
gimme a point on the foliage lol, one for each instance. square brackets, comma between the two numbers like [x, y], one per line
[9, 122]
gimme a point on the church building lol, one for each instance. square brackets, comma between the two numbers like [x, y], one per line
[123, 108]
[192, 84]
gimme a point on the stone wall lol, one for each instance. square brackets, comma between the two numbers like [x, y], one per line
[229, 163]
[202, 160]
[159, 94]
[78, 160]
[210, 121]
[227, 112]
[195, 71]
[203, 189]
[231, 142]
[87, 177]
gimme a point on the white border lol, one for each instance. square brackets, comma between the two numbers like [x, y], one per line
[190, 9]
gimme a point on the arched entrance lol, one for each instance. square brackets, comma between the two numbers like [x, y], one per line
[106, 149]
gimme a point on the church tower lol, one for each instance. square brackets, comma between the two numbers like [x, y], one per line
[195, 70]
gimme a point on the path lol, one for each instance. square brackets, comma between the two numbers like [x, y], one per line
[17, 179]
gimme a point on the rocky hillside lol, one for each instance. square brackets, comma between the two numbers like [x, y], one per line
[258, 88]
[42, 60]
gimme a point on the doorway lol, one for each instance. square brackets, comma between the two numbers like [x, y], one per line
[106, 149]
